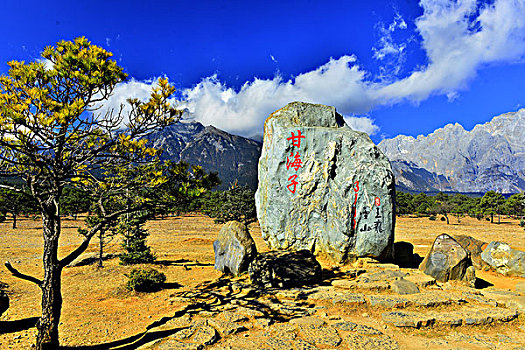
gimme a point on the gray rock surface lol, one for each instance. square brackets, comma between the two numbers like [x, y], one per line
[446, 260]
[282, 269]
[402, 286]
[338, 201]
[504, 259]
[474, 247]
[234, 248]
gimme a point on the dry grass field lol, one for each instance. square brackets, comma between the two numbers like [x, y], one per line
[98, 310]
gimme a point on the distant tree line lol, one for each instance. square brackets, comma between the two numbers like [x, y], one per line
[489, 205]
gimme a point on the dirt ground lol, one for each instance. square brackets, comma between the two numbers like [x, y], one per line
[97, 309]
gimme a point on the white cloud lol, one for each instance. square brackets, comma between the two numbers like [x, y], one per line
[363, 124]
[458, 37]
[123, 91]
[388, 51]
[458, 43]
[340, 82]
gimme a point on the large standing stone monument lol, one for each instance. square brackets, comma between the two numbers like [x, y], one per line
[323, 186]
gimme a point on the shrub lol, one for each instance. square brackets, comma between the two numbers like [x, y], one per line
[487, 219]
[432, 217]
[2, 217]
[442, 218]
[522, 223]
[145, 280]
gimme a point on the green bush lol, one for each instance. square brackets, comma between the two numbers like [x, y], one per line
[432, 217]
[443, 218]
[487, 219]
[145, 280]
[522, 223]
[2, 217]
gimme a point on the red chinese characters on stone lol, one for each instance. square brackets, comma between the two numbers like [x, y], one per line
[293, 183]
[296, 140]
[294, 161]
[377, 202]
[356, 190]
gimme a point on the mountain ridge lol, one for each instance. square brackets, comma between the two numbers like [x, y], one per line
[489, 157]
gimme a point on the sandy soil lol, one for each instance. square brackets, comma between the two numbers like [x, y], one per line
[97, 309]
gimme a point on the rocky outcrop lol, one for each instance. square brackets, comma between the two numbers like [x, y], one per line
[504, 259]
[282, 269]
[447, 260]
[323, 186]
[234, 248]
[233, 157]
[489, 157]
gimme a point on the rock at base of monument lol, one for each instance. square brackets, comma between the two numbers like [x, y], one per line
[234, 248]
[504, 259]
[474, 247]
[404, 254]
[447, 260]
[4, 302]
[285, 269]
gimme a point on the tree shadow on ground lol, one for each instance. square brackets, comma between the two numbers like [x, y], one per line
[181, 262]
[129, 343]
[18, 325]
[211, 296]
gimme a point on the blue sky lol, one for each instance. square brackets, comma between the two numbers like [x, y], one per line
[390, 67]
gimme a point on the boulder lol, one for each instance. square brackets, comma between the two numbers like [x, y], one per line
[504, 259]
[4, 302]
[234, 248]
[323, 186]
[447, 260]
[474, 247]
[283, 269]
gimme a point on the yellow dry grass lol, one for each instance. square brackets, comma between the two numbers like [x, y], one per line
[97, 311]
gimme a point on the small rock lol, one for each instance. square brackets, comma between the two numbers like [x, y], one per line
[233, 316]
[349, 299]
[226, 328]
[446, 260]
[234, 248]
[402, 286]
[345, 326]
[205, 335]
[312, 322]
[388, 301]
[364, 342]
[504, 259]
[322, 336]
[407, 319]
[284, 269]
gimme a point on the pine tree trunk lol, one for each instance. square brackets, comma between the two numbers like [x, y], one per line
[47, 326]
[101, 249]
[14, 220]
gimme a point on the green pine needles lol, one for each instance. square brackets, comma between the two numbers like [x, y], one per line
[136, 251]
